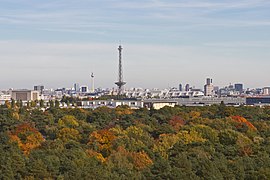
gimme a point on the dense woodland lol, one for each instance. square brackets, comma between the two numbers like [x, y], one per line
[215, 142]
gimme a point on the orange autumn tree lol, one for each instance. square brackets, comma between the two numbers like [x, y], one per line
[98, 156]
[243, 121]
[27, 137]
[122, 158]
[141, 160]
[194, 114]
[177, 122]
[102, 141]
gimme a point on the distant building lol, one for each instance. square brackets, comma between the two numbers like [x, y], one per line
[266, 91]
[25, 95]
[158, 104]
[208, 100]
[76, 87]
[239, 87]
[216, 89]
[258, 100]
[84, 89]
[209, 87]
[133, 104]
[180, 87]
[187, 87]
[4, 97]
[39, 88]
[209, 81]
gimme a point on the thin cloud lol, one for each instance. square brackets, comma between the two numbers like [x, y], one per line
[192, 4]
[59, 16]
[240, 44]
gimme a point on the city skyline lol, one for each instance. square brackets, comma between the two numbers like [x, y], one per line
[58, 43]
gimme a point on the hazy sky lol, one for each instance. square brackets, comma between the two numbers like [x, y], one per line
[166, 42]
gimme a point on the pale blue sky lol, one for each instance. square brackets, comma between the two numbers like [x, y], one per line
[59, 42]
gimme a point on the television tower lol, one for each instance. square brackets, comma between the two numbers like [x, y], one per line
[92, 83]
[120, 82]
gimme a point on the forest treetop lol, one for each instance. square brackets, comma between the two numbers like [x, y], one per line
[213, 142]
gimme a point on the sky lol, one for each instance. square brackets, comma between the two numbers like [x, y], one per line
[165, 42]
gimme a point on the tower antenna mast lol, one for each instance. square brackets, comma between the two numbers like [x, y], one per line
[120, 82]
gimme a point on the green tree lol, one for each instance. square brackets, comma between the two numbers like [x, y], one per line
[41, 103]
[57, 104]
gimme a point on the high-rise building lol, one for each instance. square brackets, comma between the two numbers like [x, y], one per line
[209, 87]
[84, 89]
[209, 81]
[238, 87]
[76, 87]
[180, 87]
[266, 91]
[39, 88]
[187, 87]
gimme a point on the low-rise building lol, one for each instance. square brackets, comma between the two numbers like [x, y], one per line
[158, 104]
[25, 95]
[4, 97]
[133, 104]
[207, 101]
[258, 100]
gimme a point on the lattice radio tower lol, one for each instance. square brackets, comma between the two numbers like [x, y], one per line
[120, 82]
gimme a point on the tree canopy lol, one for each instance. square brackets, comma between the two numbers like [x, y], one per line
[215, 142]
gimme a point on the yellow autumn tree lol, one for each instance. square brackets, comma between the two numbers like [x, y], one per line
[244, 144]
[187, 137]
[194, 114]
[102, 141]
[164, 143]
[68, 121]
[68, 134]
[135, 138]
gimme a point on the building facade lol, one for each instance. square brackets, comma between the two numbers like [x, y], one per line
[25, 95]
[239, 87]
[258, 100]
[39, 88]
[209, 87]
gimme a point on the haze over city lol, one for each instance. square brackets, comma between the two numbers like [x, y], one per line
[60, 42]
